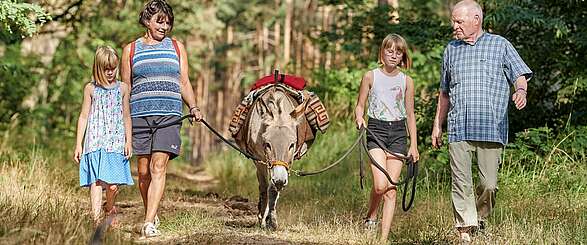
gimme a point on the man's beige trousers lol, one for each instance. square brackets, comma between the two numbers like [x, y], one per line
[468, 210]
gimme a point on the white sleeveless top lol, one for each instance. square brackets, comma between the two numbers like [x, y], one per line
[387, 96]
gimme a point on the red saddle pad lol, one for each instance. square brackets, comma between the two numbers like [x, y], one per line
[298, 83]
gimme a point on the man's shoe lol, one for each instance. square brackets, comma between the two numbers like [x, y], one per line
[465, 234]
[465, 237]
[482, 225]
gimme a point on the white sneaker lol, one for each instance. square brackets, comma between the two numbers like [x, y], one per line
[370, 224]
[149, 230]
[156, 221]
[465, 238]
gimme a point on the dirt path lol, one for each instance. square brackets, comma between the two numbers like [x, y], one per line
[191, 214]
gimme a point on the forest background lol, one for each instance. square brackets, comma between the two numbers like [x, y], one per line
[46, 55]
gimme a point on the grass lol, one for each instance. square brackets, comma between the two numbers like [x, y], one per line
[541, 200]
[37, 203]
[538, 201]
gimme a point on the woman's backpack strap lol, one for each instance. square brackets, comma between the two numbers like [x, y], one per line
[131, 55]
[176, 49]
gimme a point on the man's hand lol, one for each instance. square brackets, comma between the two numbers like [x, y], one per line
[519, 98]
[436, 137]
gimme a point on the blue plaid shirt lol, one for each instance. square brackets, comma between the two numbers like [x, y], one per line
[477, 79]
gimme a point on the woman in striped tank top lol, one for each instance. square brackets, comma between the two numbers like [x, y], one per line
[390, 95]
[157, 68]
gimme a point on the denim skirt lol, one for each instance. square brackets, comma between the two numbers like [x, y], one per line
[392, 134]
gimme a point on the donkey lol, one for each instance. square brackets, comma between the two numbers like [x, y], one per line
[272, 137]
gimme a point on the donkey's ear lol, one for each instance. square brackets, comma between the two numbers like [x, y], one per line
[263, 110]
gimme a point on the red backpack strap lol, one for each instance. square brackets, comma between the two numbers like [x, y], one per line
[176, 50]
[131, 55]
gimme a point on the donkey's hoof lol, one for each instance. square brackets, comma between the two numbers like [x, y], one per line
[271, 223]
[262, 224]
[271, 226]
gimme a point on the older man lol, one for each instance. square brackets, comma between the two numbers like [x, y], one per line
[478, 70]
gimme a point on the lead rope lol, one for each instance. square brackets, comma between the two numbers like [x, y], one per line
[411, 173]
[153, 129]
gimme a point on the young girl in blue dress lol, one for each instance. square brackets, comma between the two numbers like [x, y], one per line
[104, 126]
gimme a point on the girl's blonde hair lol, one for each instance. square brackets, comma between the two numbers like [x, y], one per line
[401, 45]
[106, 58]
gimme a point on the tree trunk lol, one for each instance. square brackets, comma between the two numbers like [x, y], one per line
[287, 32]
[260, 55]
[201, 139]
[277, 41]
[299, 37]
[326, 15]
[265, 40]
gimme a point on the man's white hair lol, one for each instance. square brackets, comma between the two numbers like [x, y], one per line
[472, 8]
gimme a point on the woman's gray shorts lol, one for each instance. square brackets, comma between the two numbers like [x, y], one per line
[392, 134]
[146, 141]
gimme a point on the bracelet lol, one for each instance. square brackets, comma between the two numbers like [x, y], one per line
[195, 107]
[523, 89]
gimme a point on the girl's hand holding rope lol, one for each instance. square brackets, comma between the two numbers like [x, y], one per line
[413, 152]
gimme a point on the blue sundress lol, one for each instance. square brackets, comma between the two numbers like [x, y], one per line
[103, 153]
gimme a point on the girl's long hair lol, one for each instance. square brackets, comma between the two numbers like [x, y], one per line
[400, 44]
[106, 58]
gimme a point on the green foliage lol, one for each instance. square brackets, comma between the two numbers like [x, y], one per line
[19, 76]
[542, 143]
[338, 89]
[549, 37]
[361, 31]
[20, 20]
[557, 93]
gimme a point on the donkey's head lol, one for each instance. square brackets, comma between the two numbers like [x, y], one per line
[278, 133]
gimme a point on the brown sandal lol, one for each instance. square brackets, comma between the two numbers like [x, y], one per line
[111, 213]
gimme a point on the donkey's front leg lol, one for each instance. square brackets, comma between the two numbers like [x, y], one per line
[271, 219]
[263, 185]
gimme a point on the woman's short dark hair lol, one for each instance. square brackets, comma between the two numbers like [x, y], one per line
[153, 8]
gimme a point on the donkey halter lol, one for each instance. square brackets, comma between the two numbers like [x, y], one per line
[278, 163]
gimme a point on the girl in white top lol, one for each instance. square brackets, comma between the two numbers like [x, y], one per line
[391, 103]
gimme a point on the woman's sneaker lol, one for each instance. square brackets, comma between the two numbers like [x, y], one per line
[149, 230]
[156, 221]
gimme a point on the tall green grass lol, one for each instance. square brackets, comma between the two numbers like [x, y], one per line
[541, 197]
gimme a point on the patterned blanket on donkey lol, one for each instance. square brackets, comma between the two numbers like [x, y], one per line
[315, 112]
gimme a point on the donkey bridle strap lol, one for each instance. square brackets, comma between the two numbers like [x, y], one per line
[279, 163]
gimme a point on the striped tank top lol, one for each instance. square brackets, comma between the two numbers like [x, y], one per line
[155, 80]
[105, 128]
[387, 97]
